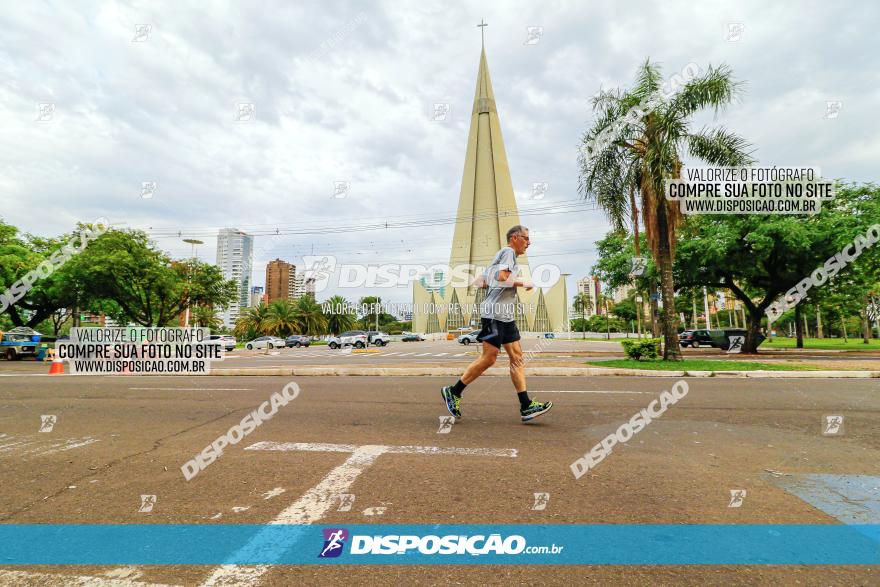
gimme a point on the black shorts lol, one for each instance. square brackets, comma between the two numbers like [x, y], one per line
[497, 333]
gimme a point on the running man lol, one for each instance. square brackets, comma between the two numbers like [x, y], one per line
[499, 328]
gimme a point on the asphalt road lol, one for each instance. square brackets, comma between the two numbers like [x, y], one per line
[544, 352]
[117, 438]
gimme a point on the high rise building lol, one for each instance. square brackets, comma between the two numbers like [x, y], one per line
[235, 258]
[302, 286]
[590, 287]
[257, 295]
[279, 280]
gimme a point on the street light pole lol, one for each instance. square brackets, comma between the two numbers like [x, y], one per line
[193, 242]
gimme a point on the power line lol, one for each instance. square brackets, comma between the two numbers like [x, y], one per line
[302, 228]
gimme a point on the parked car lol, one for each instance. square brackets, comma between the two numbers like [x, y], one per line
[376, 338]
[19, 342]
[548, 335]
[719, 339]
[228, 342]
[469, 338]
[297, 340]
[355, 338]
[411, 337]
[272, 342]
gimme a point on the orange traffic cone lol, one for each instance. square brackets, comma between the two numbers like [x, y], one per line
[57, 367]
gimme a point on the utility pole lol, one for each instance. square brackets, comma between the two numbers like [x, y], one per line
[706, 307]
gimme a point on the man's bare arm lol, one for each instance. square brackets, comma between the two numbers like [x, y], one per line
[504, 277]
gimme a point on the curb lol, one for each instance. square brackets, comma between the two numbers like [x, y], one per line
[335, 370]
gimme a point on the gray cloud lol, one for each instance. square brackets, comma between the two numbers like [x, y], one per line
[344, 92]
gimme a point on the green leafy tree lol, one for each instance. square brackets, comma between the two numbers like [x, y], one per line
[310, 317]
[581, 305]
[338, 321]
[761, 257]
[282, 318]
[646, 149]
[206, 316]
[252, 322]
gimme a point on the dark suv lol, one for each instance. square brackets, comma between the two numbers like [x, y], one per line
[719, 339]
[297, 340]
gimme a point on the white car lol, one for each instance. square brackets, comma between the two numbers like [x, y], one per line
[355, 338]
[469, 338]
[377, 338]
[225, 340]
[272, 342]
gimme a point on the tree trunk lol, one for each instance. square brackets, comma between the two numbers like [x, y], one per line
[694, 305]
[806, 327]
[671, 350]
[819, 333]
[843, 327]
[866, 324]
[753, 330]
[655, 326]
[798, 327]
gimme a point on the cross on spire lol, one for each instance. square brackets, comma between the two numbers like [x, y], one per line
[482, 26]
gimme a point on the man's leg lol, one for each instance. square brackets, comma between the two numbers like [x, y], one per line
[452, 395]
[517, 365]
[483, 362]
[528, 409]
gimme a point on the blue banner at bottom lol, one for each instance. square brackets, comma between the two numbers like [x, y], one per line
[599, 544]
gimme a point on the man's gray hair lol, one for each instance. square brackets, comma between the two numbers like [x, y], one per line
[514, 230]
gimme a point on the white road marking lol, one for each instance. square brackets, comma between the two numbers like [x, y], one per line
[239, 508]
[441, 354]
[189, 388]
[423, 354]
[71, 444]
[55, 580]
[47, 446]
[273, 492]
[406, 354]
[390, 354]
[585, 391]
[459, 355]
[318, 500]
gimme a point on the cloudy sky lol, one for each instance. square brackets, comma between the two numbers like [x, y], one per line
[345, 92]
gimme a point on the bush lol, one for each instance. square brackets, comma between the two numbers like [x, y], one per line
[648, 348]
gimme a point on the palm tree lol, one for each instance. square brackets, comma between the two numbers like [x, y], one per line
[282, 318]
[581, 303]
[646, 150]
[205, 316]
[339, 321]
[310, 319]
[252, 322]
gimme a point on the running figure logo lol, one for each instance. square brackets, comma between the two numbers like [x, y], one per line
[638, 266]
[833, 425]
[334, 540]
[446, 423]
[736, 498]
[541, 500]
[147, 503]
[47, 423]
[346, 500]
[736, 344]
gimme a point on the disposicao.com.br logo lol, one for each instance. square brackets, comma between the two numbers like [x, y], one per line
[453, 544]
